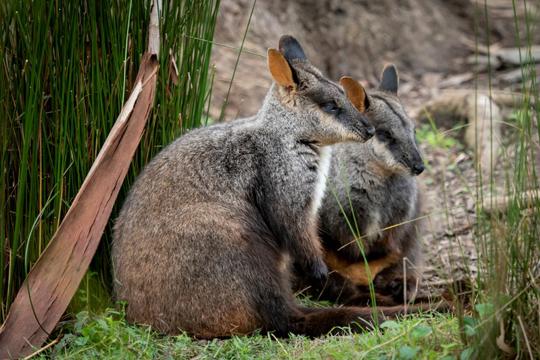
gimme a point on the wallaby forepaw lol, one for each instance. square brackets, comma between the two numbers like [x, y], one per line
[397, 288]
[318, 272]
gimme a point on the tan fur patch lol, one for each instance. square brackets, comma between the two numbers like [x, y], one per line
[386, 164]
[355, 92]
[342, 134]
[279, 69]
[379, 170]
[357, 272]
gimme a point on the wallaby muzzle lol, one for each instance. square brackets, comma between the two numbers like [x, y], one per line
[417, 164]
[364, 128]
[418, 168]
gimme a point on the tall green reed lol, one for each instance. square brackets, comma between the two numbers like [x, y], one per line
[505, 300]
[66, 68]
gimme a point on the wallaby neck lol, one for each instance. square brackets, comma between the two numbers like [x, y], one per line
[278, 117]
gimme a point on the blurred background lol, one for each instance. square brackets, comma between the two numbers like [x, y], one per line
[462, 78]
[436, 44]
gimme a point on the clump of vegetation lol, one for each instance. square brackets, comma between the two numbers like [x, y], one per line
[66, 71]
[109, 336]
[429, 134]
[506, 293]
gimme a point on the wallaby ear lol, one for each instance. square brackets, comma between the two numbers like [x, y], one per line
[355, 92]
[280, 69]
[389, 79]
[291, 49]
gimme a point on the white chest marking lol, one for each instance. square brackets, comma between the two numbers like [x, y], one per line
[413, 202]
[373, 229]
[320, 187]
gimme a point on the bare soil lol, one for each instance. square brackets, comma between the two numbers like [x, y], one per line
[436, 44]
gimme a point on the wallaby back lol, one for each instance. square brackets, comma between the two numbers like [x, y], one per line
[203, 241]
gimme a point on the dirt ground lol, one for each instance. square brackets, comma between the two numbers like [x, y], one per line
[437, 45]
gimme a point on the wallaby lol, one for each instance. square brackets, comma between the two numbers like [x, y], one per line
[372, 191]
[203, 241]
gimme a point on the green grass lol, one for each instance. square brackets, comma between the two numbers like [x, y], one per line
[109, 336]
[429, 134]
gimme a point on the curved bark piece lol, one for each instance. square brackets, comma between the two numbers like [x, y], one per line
[54, 278]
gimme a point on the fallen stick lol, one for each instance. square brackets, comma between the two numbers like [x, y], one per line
[499, 204]
[518, 56]
[55, 277]
[39, 351]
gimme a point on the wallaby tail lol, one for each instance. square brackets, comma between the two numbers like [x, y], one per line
[397, 310]
[317, 322]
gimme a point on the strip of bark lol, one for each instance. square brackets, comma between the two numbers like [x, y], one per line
[55, 277]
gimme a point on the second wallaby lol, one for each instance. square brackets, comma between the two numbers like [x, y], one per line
[372, 192]
[203, 241]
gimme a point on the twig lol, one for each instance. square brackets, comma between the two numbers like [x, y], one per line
[526, 338]
[499, 204]
[54, 342]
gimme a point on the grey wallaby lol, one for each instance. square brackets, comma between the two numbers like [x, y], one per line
[372, 191]
[203, 241]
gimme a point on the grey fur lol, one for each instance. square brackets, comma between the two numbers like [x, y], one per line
[203, 239]
[376, 182]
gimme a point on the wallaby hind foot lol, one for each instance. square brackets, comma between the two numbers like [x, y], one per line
[317, 322]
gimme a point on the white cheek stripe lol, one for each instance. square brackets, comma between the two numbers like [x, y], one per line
[322, 175]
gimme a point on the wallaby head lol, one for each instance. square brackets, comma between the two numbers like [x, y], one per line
[325, 113]
[394, 142]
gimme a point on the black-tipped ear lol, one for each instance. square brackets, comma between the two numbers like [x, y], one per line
[291, 49]
[389, 79]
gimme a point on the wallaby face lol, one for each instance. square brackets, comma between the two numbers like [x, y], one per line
[394, 142]
[328, 115]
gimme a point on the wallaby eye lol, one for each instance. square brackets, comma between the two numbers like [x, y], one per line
[330, 108]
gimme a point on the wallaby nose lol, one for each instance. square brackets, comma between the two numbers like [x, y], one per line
[418, 168]
[370, 131]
